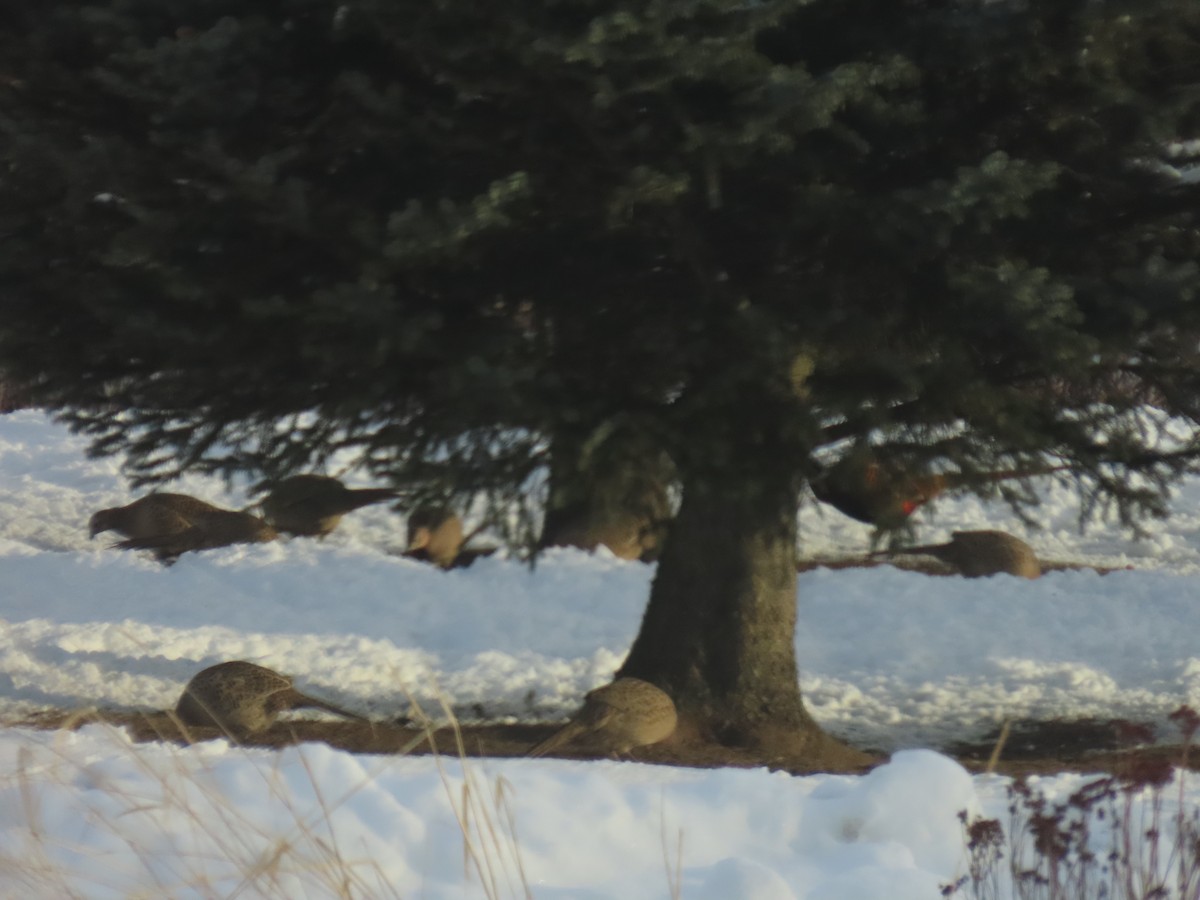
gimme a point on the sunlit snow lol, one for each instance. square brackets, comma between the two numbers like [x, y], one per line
[891, 660]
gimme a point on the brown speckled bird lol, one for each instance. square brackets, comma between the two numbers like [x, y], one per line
[886, 494]
[313, 505]
[626, 535]
[435, 534]
[618, 717]
[980, 553]
[625, 506]
[173, 524]
[242, 698]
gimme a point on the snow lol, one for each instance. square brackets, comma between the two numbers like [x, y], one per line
[891, 660]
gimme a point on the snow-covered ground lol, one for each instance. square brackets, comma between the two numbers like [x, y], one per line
[890, 659]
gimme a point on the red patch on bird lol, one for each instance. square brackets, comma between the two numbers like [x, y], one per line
[909, 507]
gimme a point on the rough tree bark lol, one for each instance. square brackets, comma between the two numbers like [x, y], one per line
[719, 631]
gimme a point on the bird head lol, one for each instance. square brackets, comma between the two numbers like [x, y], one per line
[426, 521]
[100, 522]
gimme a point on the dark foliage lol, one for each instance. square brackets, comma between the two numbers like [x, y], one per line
[435, 225]
[246, 235]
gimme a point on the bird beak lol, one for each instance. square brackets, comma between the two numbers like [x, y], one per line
[419, 539]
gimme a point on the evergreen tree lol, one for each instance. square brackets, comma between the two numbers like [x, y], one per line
[754, 235]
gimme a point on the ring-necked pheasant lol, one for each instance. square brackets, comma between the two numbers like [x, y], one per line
[243, 698]
[885, 495]
[628, 534]
[173, 524]
[616, 718]
[435, 534]
[313, 505]
[978, 554]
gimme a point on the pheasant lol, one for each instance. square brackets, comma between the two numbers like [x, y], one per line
[173, 524]
[242, 698]
[617, 717]
[628, 534]
[978, 554]
[435, 534]
[313, 505]
[885, 495]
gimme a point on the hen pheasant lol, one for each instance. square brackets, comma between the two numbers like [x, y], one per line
[616, 718]
[313, 505]
[242, 698]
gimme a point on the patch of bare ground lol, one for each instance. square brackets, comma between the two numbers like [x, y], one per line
[1031, 747]
[928, 565]
[818, 753]
[1069, 745]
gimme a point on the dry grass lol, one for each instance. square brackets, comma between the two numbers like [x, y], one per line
[238, 856]
[491, 850]
[165, 826]
[1111, 839]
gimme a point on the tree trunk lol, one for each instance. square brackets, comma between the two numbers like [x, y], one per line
[719, 631]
